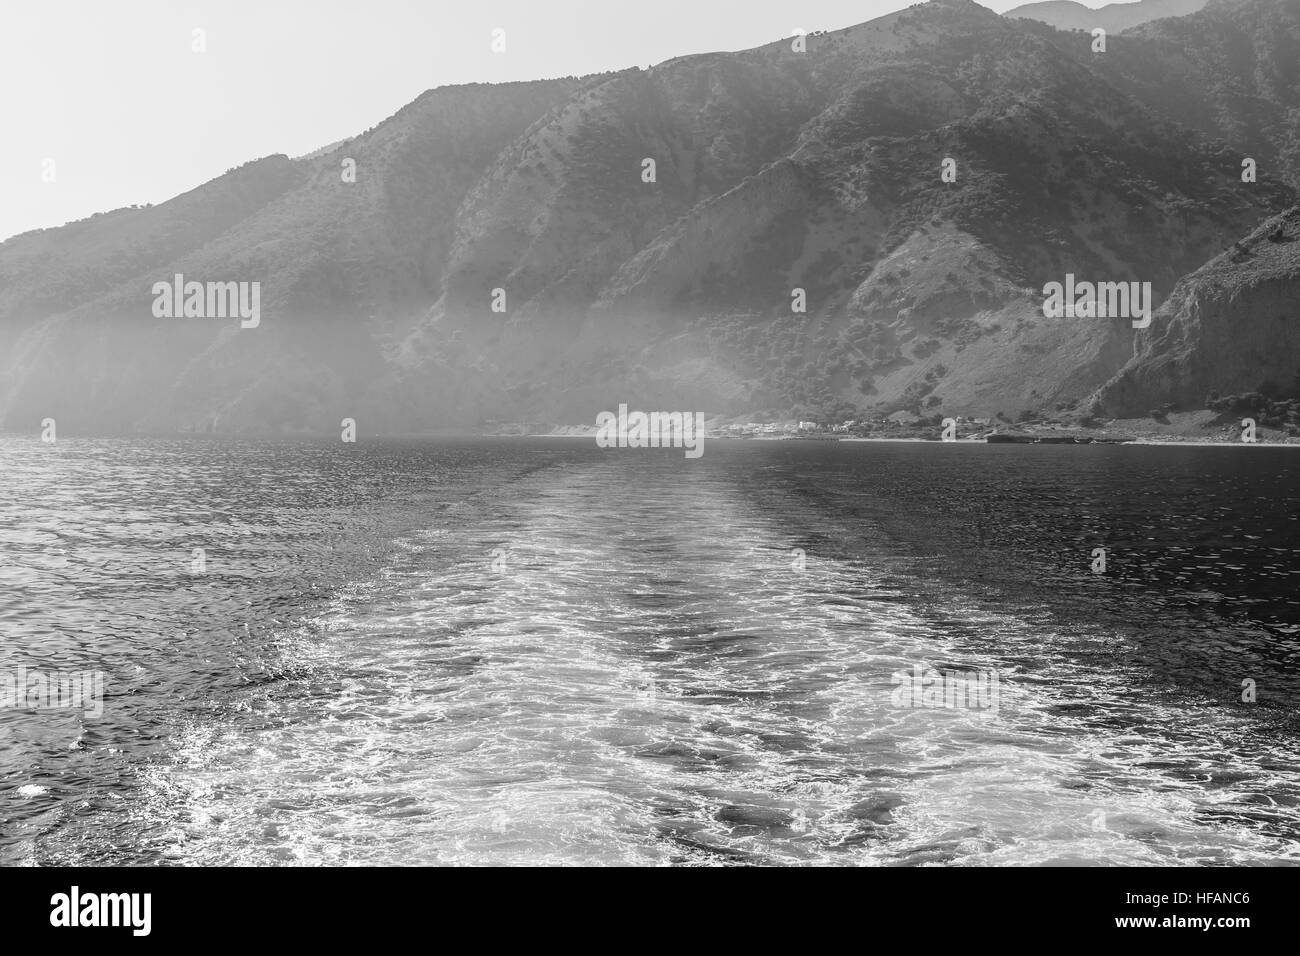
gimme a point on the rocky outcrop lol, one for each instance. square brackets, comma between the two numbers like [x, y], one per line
[1230, 327]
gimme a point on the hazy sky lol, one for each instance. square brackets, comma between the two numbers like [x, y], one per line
[113, 92]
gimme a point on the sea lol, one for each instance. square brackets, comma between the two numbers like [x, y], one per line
[535, 651]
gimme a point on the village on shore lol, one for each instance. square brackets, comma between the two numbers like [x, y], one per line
[1176, 428]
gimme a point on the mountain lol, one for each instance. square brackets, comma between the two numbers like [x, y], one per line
[342, 266]
[925, 296]
[779, 173]
[50, 271]
[1113, 17]
[1230, 72]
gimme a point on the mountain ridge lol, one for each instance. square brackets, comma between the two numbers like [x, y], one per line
[1112, 17]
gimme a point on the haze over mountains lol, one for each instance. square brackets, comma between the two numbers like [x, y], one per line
[1113, 17]
[775, 170]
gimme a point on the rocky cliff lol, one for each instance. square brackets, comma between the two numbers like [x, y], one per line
[1229, 328]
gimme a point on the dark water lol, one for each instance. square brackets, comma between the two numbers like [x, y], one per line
[537, 651]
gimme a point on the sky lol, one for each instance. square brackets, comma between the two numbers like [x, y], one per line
[108, 103]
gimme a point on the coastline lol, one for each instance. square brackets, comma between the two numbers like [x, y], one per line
[907, 440]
